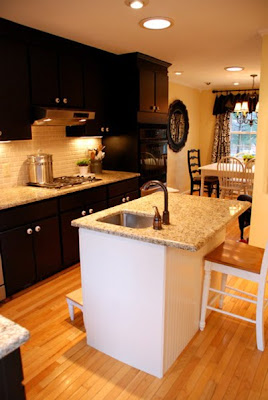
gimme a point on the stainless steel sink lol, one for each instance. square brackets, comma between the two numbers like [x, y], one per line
[128, 220]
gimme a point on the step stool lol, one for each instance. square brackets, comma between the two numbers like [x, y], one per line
[74, 299]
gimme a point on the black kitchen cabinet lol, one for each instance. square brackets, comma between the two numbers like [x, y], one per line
[122, 192]
[11, 377]
[56, 76]
[30, 244]
[74, 206]
[14, 91]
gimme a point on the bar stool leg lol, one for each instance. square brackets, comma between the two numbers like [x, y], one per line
[259, 317]
[206, 286]
[71, 309]
[223, 284]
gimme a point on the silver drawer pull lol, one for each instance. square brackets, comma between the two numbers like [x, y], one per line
[65, 100]
[37, 228]
[123, 200]
[83, 213]
[91, 211]
[29, 231]
[57, 100]
[127, 198]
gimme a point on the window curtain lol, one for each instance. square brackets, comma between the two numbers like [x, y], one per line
[221, 144]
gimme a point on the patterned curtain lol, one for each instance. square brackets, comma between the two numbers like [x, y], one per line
[221, 145]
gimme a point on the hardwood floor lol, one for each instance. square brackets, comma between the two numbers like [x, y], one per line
[221, 362]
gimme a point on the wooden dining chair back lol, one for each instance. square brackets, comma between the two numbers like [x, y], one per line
[242, 261]
[231, 176]
[249, 176]
[211, 182]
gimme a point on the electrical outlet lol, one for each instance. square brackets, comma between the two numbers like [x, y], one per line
[6, 170]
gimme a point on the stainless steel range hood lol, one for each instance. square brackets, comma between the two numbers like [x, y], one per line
[43, 116]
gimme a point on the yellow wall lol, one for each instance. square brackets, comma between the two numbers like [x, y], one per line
[259, 218]
[201, 126]
[177, 170]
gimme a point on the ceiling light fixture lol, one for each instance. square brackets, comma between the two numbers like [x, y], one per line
[136, 4]
[178, 72]
[156, 23]
[234, 69]
[236, 83]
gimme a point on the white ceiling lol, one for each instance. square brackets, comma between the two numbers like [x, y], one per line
[207, 35]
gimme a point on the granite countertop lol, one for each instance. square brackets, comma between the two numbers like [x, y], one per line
[12, 336]
[20, 195]
[193, 219]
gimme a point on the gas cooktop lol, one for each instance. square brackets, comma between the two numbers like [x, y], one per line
[65, 181]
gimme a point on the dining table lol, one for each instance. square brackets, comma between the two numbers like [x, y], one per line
[213, 170]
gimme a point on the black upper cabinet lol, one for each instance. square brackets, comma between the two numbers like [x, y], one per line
[14, 91]
[56, 77]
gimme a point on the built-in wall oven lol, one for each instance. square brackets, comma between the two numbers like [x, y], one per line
[153, 152]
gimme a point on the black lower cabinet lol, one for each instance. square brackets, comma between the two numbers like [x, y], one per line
[11, 376]
[30, 253]
[122, 192]
[70, 239]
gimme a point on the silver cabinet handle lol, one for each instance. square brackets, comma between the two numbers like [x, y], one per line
[1, 133]
[157, 108]
[102, 129]
[107, 130]
[83, 213]
[65, 100]
[91, 211]
[29, 231]
[127, 198]
[37, 228]
[57, 100]
[123, 200]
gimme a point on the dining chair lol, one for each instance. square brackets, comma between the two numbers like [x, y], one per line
[242, 261]
[249, 176]
[245, 217]
[211, 182]
[231, 176]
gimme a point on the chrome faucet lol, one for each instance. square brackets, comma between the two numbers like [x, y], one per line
[165, 212]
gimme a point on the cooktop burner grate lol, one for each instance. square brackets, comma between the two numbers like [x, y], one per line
[65, 181]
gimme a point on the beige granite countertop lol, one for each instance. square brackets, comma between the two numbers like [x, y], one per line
[193, 219]
[20, 195]
[12, 336]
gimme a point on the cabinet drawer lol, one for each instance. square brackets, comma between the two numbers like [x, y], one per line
[21, 215]
[78, 199]
[129, 185]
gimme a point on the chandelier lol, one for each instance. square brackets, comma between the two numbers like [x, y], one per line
[242, 108]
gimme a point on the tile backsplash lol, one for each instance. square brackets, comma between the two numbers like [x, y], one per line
[50, 139]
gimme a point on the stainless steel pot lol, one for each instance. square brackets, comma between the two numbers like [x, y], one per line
[40, 168]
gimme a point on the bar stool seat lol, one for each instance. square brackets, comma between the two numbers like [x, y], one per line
[242, 261]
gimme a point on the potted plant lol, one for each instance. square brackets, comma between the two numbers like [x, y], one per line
[247, 157]
[83, 166]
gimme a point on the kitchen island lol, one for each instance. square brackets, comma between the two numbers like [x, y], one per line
[142, 287]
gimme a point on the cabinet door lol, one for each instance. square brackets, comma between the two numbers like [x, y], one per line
[14, 91]
[161, 91]
[147, 100]
[18, 259]
[44, 76]
[47, 247]
[71, 79]
[69, 235]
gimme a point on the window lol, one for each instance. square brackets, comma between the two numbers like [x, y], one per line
[243, 134]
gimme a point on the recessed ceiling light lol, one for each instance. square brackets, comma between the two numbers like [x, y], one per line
[234, 69]
[136, 4]
[47, 119]
[236, 83]
[178, 72]
[156, 23]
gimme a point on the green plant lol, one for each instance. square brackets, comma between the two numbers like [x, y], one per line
[83, 163]
[247, 157]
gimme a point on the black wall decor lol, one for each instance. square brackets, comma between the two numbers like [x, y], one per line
[178, 125]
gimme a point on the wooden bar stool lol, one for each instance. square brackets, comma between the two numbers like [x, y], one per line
[74, 299]
[242, 261]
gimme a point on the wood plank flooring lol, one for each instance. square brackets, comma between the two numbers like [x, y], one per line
[221, 362]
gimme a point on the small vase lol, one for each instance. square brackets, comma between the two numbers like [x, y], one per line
[96, 166]
[83, 170]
